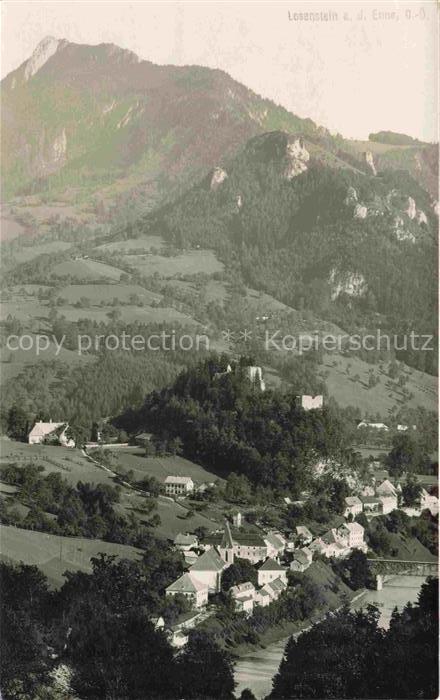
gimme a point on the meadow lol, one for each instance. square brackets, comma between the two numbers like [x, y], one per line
[132, 245]
[87, 269]
[347, 383]
[54, 554]
[189, 263]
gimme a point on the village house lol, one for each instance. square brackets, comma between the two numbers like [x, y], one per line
[373, 426]
[185, 542]
[269, 571]
[178, 485]
[302, 558]
[178, 632]
[190, 558]
[352, 535]
[263, 598]
[371, 505]
[158, 623]
[273, 589]
[335, 545]
[310, 403]
[54, 433]
[304, 535]
[353, 506]
[428, 501]
[208, 569]
[276, 544]
[244, 596]
[246, 545]
[318, 546]
[194, 590]
[389, 503]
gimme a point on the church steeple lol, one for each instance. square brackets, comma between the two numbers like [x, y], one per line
[227, 545]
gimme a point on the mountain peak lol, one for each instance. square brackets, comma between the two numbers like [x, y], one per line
[46, 48]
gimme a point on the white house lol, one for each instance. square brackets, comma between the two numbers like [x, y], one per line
[276, 544]
[178, 485]
[374, 426]
[263, 598]
[389, 503]
[353, 506]
[158, 622]
[304, 534]
[244, 597]
[208, 569]
[386, 488]
[352, 534]
[302, 559]
[273, 589]
[50, 432]
[371, 505]
[428, 501]
[194, 590]
[310, 403]
[334, 544]
[269, 571]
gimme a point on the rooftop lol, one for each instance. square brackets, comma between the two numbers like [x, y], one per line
[353, 501]
[185, 539]
[209, 561]
[186, 584]
[41, 429]
[178, 480]
[271, 565]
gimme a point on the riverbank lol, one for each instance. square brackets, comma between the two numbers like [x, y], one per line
[257, 665]
[279, 633]
[322, 575]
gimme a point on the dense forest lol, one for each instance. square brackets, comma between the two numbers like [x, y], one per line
[226, 422]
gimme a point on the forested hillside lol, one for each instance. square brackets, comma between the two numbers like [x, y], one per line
[356, 249]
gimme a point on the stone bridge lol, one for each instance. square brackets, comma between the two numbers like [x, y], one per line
[382, 568]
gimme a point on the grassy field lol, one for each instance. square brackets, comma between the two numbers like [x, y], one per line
[98, 293]
[87, 270]
[71, 464]
[189, 263]
[74, 467]
[132, 245]
[161, 467]
[54, 555]
[30, 252]
[347, 383]
[130, 314]
[27, 311]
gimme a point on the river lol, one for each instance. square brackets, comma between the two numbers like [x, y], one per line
[256, 670]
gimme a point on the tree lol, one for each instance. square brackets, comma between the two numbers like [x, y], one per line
[355, 570]
[238, 488]
[411, 491]
[112, 656]
[25, 602]
[17, 423]
[202, 653]
[406, 455]
[238, 572]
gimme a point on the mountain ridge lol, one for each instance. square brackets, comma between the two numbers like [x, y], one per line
[104, 119]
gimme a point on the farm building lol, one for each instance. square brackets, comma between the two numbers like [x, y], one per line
[50, 432]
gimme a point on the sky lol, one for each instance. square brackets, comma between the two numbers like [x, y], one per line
[354, 68]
